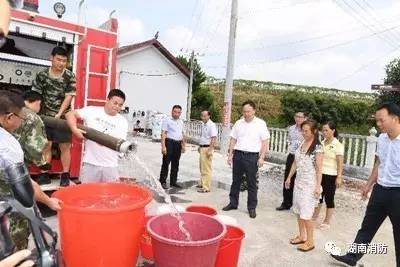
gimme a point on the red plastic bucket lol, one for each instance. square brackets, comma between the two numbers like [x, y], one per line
[101, 223]
[229, 250]
[203, 209]
[146, 249]
[170, 247]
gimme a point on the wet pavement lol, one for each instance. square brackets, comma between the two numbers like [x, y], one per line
[267, 236]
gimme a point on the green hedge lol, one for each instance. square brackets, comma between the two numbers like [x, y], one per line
[347, 113]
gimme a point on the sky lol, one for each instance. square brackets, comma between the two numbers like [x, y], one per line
[343, 44]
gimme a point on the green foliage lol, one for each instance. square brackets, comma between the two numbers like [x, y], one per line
[277, 104]
[322, 108]
[202, 98]
[392, 78]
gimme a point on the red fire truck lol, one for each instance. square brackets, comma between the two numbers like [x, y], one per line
[93, 54]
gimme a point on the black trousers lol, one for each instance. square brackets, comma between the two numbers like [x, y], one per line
[382, 203]
[244, 163]
[174, 151]
[328, 184]
[288, 193]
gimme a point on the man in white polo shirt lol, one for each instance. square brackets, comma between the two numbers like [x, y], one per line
[384, 182]
[207, 142]
[247, 150]
[172, 146]
[100, 164]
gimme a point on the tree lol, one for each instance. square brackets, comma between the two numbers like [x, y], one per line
[392, 78]
[202, 98]
[322, 108]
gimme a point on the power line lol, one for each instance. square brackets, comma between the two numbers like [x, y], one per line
[196, 27]
[361, 20]
[211, 37]
[317, 37]
[316, 50]
[362, 67]
[372, 14]
[350, 10]
[301, 40]
[354, 23]
[330, 47]
[192, 19]
[372, 11]
[281, 7]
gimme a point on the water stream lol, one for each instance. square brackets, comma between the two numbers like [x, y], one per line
[133, 160]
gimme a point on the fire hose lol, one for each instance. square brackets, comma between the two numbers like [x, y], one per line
[21, 199]
[106, 140]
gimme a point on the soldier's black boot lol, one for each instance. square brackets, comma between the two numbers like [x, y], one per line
[44, 178]
[64, 181]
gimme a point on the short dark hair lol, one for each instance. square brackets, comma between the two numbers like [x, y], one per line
[208, 112]
[392, 108]
[58, 50]
[32, 96]
[116, 92]
[177, 106]
[301, 111]
[10, 102]
[250, 103]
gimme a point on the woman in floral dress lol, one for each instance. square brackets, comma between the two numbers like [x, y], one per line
[307, 189]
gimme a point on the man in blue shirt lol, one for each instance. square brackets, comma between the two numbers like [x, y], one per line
[385, 184]
[172, 146]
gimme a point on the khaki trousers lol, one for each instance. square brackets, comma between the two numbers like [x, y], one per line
[205, 168]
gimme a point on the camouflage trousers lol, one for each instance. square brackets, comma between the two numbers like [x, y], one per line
[19, 227]
[19, 230]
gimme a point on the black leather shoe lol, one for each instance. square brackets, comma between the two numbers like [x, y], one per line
[64, 180]
[176, 186]
[252, 213]
[282, 207]
[345, 259]
[229, 207]
[44, 178]
[164, 186]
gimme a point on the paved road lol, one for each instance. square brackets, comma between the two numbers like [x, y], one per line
[266, 242]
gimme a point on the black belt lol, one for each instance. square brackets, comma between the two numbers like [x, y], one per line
[389, 188]
[247, 153]
[204, 145]
[173, 140]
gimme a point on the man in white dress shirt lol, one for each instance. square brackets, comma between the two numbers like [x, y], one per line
[247, 150]
[207, 142]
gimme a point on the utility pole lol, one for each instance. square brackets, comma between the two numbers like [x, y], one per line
[189, 104]
[226, 129]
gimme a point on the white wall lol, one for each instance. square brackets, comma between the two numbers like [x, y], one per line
[158, 93]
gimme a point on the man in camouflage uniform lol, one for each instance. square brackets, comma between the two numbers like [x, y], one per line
[11, 117]
[18, 257]
[31, 134]
[57, 87]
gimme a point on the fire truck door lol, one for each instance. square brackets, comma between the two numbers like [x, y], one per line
[98, 75]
